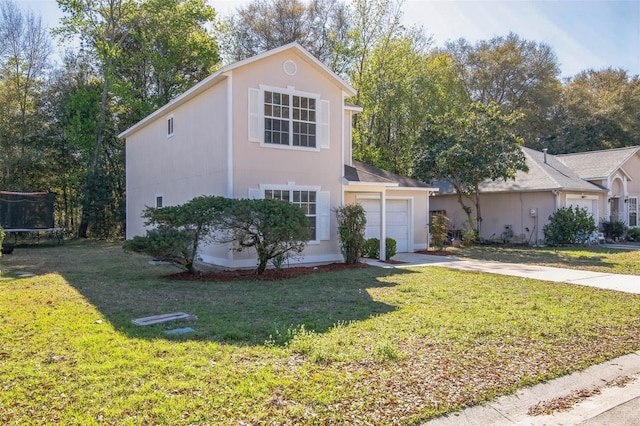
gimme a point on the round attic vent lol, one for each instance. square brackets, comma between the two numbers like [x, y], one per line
[290, 67]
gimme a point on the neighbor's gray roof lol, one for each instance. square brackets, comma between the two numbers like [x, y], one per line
[541, 177]
[598, 164]
[361, 172]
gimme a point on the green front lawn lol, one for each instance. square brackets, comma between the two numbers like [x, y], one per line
[599, 259]
[375, 346]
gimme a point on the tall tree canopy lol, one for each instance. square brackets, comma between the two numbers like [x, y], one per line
[145, 53]
[599, 110]
[517, 74]
[465, 149]
[24, 52]
[320, 26]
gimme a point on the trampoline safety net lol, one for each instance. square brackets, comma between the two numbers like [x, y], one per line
[26, 210]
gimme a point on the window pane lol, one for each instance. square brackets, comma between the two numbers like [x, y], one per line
[312, 227]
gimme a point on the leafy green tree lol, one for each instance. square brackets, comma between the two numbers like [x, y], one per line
[168, 48]
[179, 231]
[569, 226]
[352, 221]
[276, 229]
[467, 149]
[439, 229]
[599, 110]
[520, 75]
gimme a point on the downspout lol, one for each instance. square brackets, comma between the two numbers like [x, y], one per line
[342, 148]
[556, 194]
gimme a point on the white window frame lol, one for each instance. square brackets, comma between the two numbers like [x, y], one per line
[159, 201]
[632, 207]
[170, 126]
[291, 189]
[257, 118]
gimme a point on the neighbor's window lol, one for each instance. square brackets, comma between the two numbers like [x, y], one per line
[632, 202]
[289, 120]
[170, 126]
[158, 201]
[306, 200]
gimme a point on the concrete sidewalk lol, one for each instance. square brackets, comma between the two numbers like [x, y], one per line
[619, 282]
[614, 405]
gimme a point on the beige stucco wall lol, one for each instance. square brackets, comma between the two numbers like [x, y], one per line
[500, 210]
[190, 163]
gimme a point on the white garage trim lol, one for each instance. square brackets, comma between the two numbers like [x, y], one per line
[403, 234]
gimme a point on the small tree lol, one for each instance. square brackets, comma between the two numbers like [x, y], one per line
[439, 231]
[352, 220]
[569, 226]
[276, 229]
[180, 230]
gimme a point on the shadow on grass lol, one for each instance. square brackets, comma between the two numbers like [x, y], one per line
[123, 286]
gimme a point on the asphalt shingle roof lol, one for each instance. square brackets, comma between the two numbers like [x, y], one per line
[597, 164]
[542, 176]
[361, 172]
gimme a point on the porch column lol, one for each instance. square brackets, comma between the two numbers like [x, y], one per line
[383, 226]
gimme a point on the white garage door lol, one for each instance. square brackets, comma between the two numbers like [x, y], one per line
[397, 221]
[590, 205]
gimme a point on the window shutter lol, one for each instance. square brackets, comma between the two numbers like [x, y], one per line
[324, 215]
[323, 123]
[254, 194]
[254, 115]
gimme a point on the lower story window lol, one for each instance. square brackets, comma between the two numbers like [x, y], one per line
[306, 200]
[633, 211]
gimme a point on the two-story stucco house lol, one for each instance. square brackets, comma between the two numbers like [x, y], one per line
[277, 125]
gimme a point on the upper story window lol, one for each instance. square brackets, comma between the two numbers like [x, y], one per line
[170, 126]
[289, 119]
[158, 201]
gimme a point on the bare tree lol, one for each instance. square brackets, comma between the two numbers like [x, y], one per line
[25, 48]
[320, 26]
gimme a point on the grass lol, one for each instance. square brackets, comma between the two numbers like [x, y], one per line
[369, 346]
[599, 259]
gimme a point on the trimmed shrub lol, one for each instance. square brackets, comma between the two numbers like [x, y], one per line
[352, 220]
[614, 230]
[391, 248]
[569, 226]
[372, 248]
[633, 234]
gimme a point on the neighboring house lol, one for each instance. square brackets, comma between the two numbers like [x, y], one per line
[517, 210]
[276, 125]
[618, 170]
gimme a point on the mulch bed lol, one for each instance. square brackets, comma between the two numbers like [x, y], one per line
[268, 275]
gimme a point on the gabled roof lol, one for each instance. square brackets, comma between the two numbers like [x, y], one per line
[542, 176]
[595, 165]
[364, 173]
[222, 74]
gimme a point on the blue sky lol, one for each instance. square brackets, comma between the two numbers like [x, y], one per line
[584, 34]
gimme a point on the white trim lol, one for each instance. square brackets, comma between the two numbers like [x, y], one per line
[637, 211]
[214, 78]
[252, 263]
[230, 135]
[291, 186]
[289, 91]
[410, 212]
